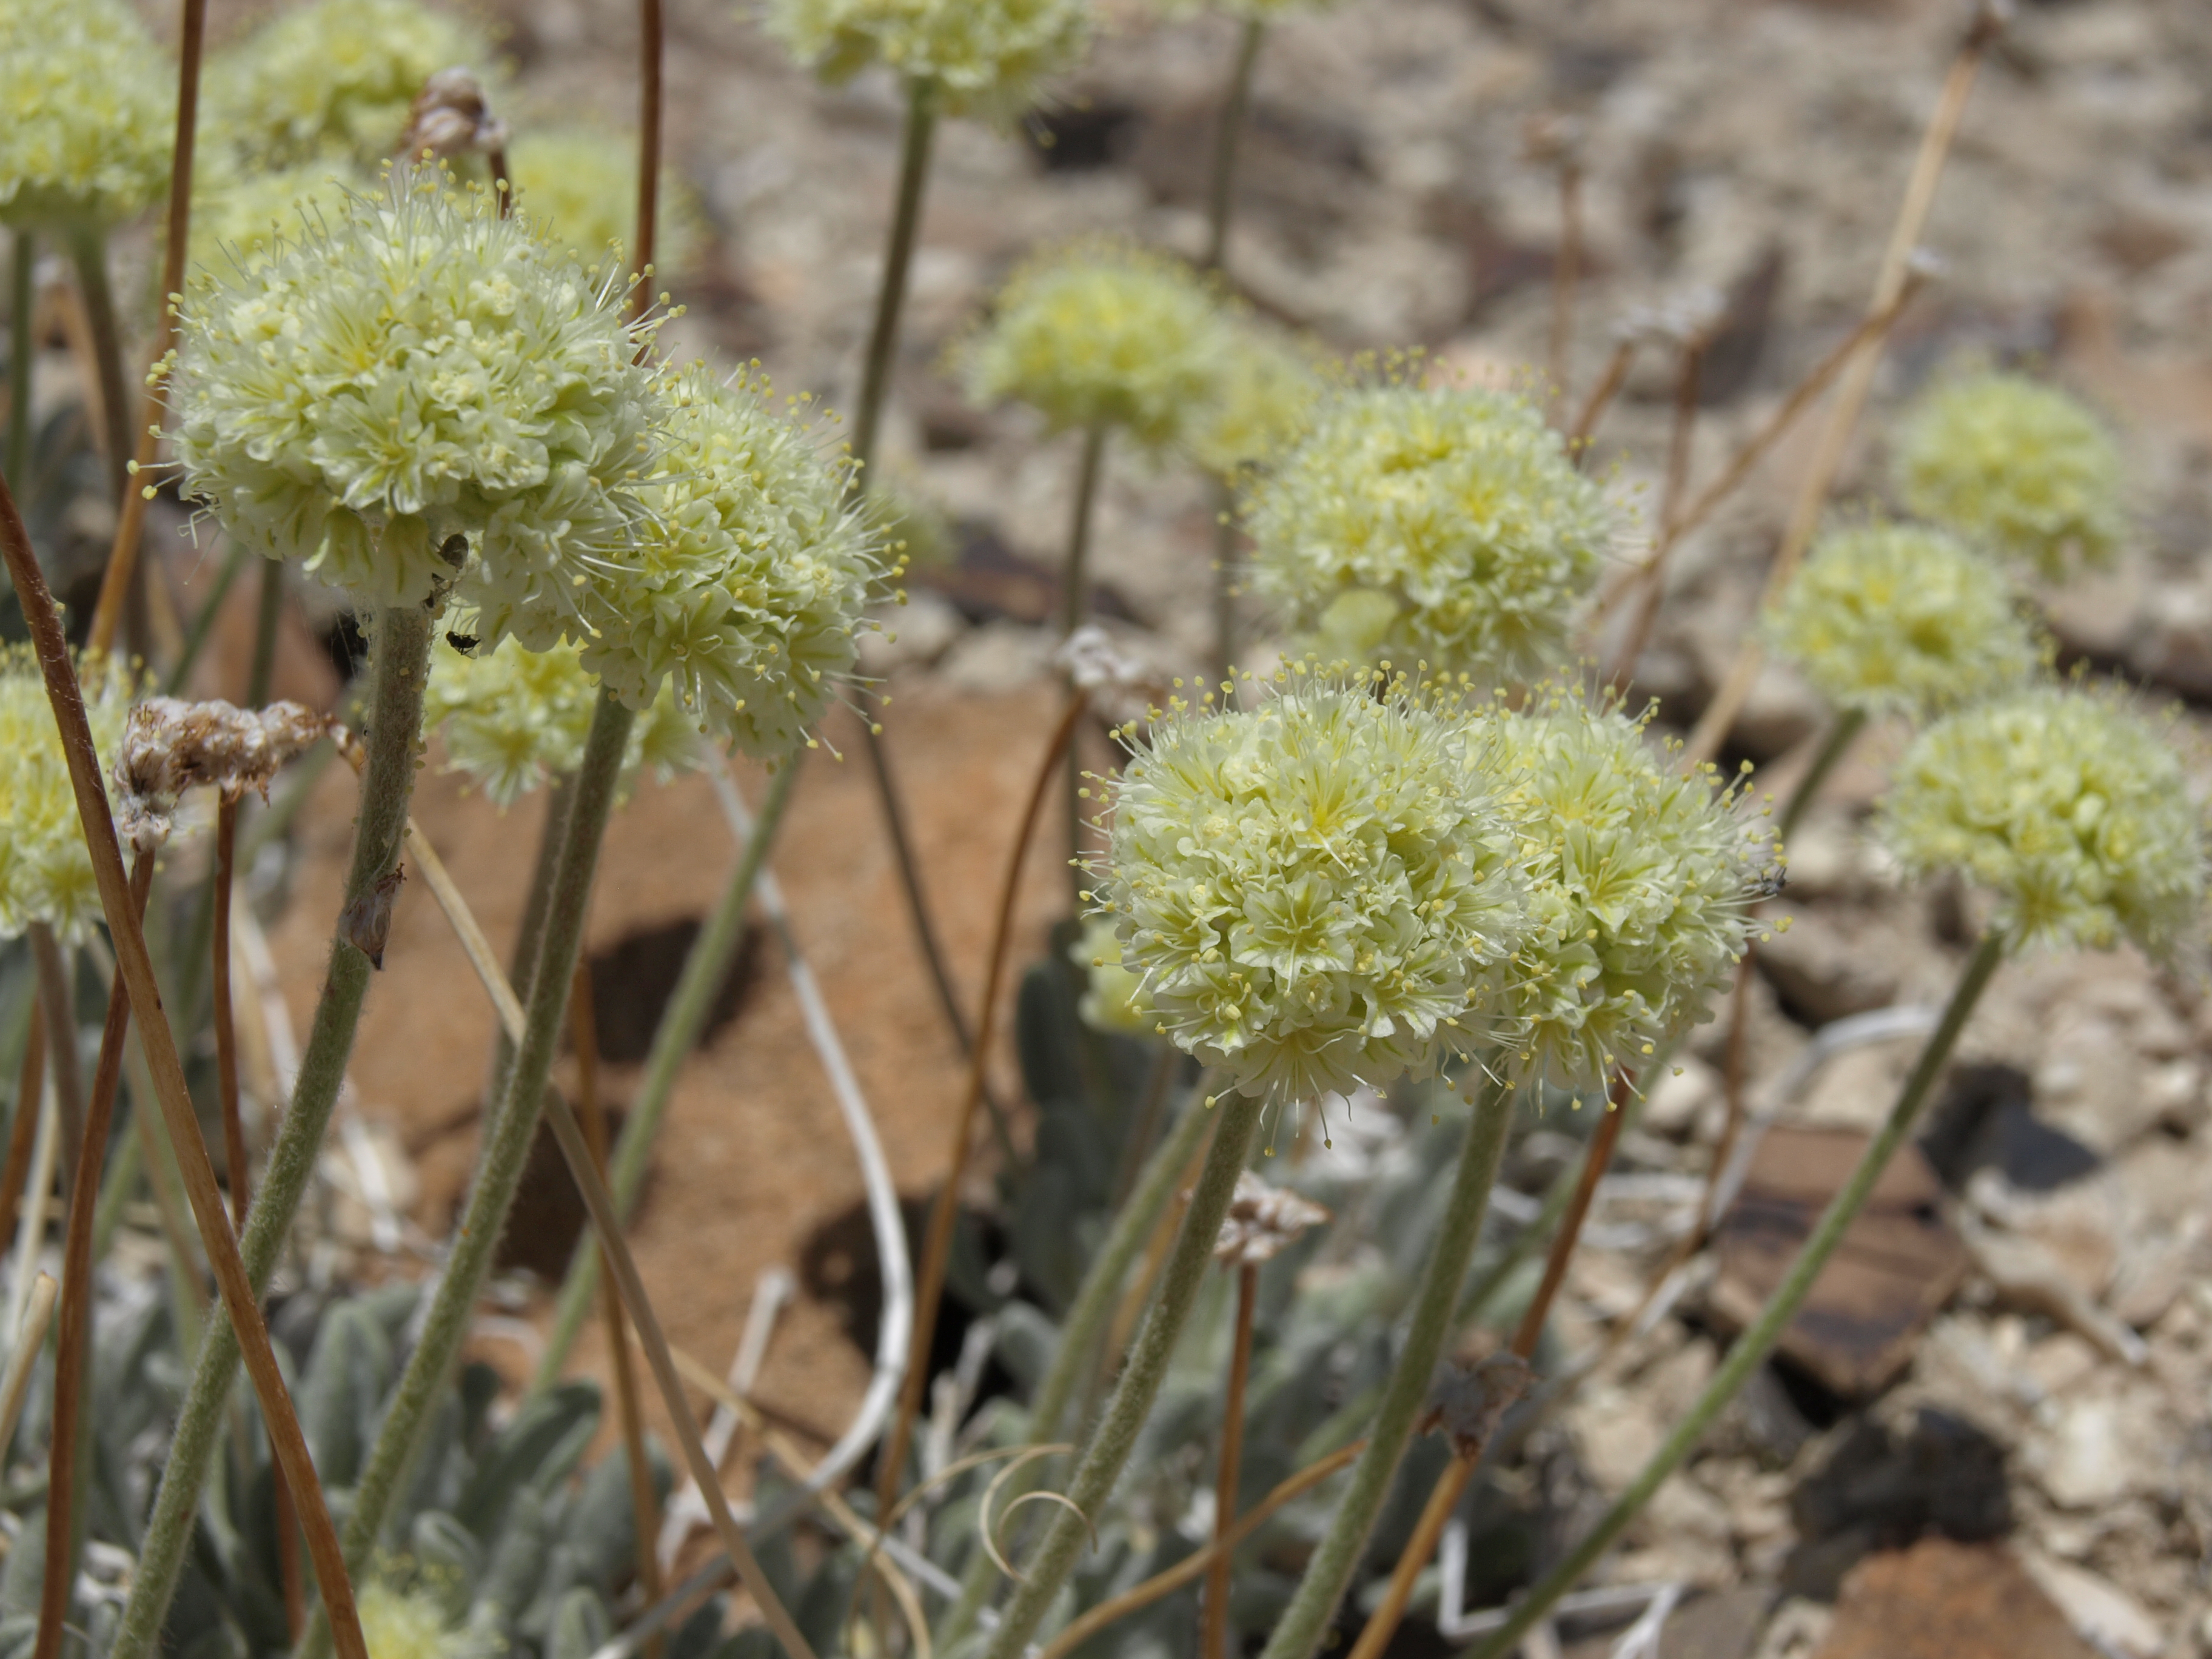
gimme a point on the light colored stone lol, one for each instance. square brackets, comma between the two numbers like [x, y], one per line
[2061, 1360]
[1616, 1433]
[2096, 1607]
[1686, 1095]
[1000, 656]
[919, 631]
[2082, 1464]
[1856, 1089]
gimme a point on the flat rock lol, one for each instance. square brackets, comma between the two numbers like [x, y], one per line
[1940, 1600]
[1825, 967]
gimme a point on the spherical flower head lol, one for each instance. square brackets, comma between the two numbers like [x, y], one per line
[1433, 524]
[1640, 878]
[335, 78]
[750, 589]
[981, 57]
[2073, 810]
[2017, 465]
[1113, 998]
[1319, 892]
[581, 188]
[1268, 388]
[411, 369]
[1100, 333]
[91, 113]
[514, 719]
[413, 1624]
[45, 869]
[1898, 619]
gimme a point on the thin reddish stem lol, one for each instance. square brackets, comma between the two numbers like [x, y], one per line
[1214, 1642]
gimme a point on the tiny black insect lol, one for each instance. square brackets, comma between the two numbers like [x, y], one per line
[1769, 882]
[464, 643]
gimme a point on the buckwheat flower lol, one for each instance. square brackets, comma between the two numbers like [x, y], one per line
[514, 719]
[91, 112]
[1433, 524]
[1896, 619]
[2072, 810]
[1268, 388]
[982, 57]
[240, 215]
[1639, 881]
[411, 370]
[1099, 332]
[411, 1624]
[45, 871]
[1318, 892]
[1113, 998]
[2017, 465]
[751, 591]
[581, 188]
[334, 78]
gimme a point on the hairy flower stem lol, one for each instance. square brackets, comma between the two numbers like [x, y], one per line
[1753, 1347]
[89, 249]
[944, 1210]
[226, 1027]
[1234, 103]
[513, 1126]
[530, 933]
[30, 1084]
[705, 967]
[57, 1012]
[267, 612]
[69, 1465]
[1307, 1620]
[1444, 1497]
[1139, 1385]
[1074, 611]
[1085, 1326]
[1841, 732]
[400, 667]
[22, 351]
[1214, 1643]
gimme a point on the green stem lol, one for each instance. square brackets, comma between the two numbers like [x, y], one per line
[1225, 578]
[1751, 1348]
[1085, 1324]
[1140, 1384]
[399, 669]
[682, 1023]
[22, 352]
[1234, 103]
[1846, 727]
[203, 623]
[90, 249]
[1307, 1620]
[1522, 1245]
[264, 633]
[1074, 610]
[530, 935]
[506, 1148]
[914, 144]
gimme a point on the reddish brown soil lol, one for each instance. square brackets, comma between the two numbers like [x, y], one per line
[752, 1159]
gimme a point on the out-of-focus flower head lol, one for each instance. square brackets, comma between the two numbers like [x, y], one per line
[1640, 878]
[1268, 388]
[45, 870]
[91, 112]
[411, 370]
[983, 58]
[2071, 809]
[240, 215]
[1113, 998]
[514, 719]
[2018, 466]
[582, 187]
[334, 78]
[1100, 333]
[413, 1624]
[1428, 524]
[1901, 619]
[1319, 892]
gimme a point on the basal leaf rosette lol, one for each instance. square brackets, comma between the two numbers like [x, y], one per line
[983, 58]
[334, 80]
[1101, 333]
[1640, 881]
[45, 870]
[2071, 809]
[1901, 619]
[1440, 524]
[514, 719]
[2018, 466]
[409, 368]
[750, 589]
[1319, 892]
[91, 113]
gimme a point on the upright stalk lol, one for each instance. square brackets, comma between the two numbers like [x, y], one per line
[400, 667]
[506, 1146]
[1214, 1643]
[1140, 1384]
[650, 36]
[1224, 577]
[57, 1010]
[30, 1086]
[22, 351]
[530, 933]
[1306, 1621]
[1566, 272]
[1234, 103]
[267, 612]
[202, 623]
[68, 1461]
[88, 248]
[225, 1028]
[1842, 731]
[1074, 611]
[1751, 1348]
[705, 967]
